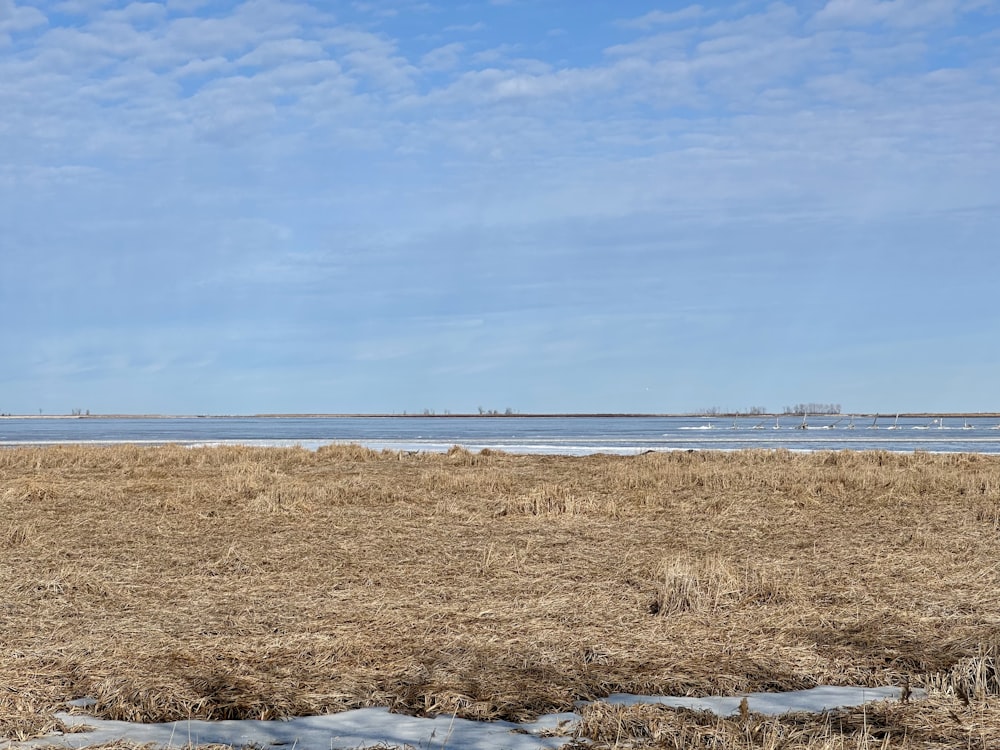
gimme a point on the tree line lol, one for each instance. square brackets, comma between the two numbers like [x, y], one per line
[803, 409]
[752, 411]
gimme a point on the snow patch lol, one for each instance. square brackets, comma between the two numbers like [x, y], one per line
[813, 700]
[368, 727]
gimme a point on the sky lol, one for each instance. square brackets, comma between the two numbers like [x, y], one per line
[260, 206]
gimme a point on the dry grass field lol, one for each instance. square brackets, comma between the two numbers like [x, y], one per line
[169, 582]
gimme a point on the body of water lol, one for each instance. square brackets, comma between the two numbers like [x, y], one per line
[553, 435]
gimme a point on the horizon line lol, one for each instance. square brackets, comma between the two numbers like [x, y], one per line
[502, 415]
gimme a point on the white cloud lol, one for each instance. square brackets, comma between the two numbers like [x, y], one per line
[466, 27]
[672, 44]
[202, 67]
[497, 85]
[355, 39]
[40, 179]
[443, 58]
[16, 19]
[200, 37]
[902, 13]
[775, 20]
[138, 12]
[81, 7]
[374, 58]
[664, 18]
[496, 54]
[185, 6]
[278, 51]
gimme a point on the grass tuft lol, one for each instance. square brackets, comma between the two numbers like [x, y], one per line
[972, 678]
[709, 584]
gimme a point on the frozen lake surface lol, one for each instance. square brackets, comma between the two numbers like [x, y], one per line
[551, 435]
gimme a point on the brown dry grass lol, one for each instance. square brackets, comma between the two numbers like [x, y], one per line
[234, 582]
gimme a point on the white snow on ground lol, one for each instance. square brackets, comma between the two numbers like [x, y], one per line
[370, 727]
[813, 700]
[364, 727]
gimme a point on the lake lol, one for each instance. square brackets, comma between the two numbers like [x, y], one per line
[515, 434]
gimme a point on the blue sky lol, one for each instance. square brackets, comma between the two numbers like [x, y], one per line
[227, 206]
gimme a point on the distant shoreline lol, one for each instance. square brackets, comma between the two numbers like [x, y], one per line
[539, 415]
